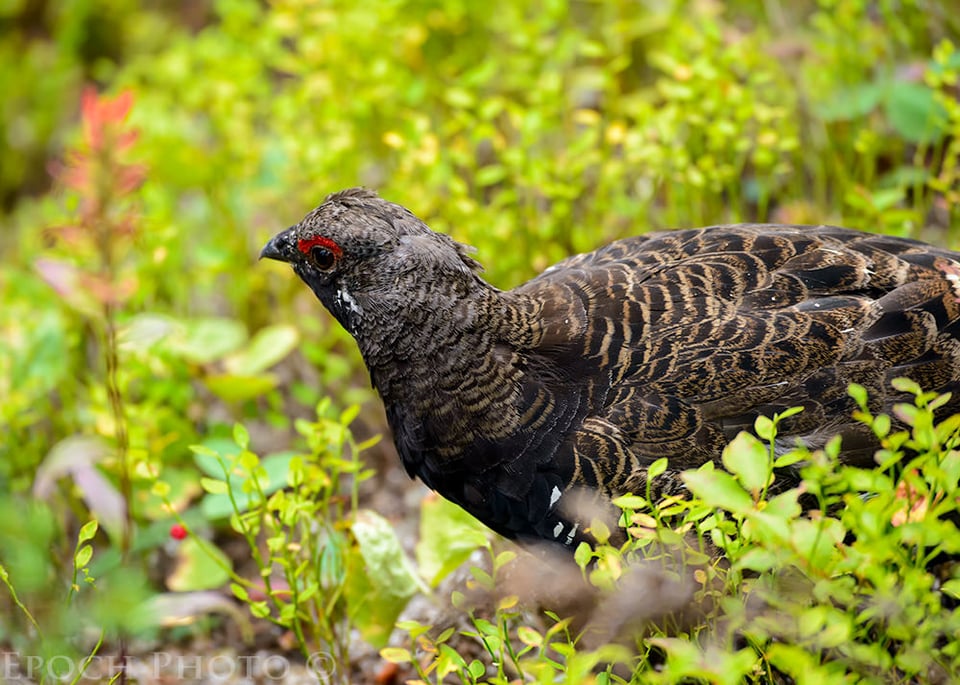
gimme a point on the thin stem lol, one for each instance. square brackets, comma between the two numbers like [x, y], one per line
[85, 664]
[111, 357]
[5, 579]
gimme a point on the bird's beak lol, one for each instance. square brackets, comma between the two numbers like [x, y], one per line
[279, 247]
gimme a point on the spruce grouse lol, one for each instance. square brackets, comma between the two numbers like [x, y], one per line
[662, 345]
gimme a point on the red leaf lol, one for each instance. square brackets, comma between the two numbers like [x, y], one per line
[116, 110]
[130, 177]
[102, 114]
[106, 291]
[92, 127]
[61, 276]
[77, 457]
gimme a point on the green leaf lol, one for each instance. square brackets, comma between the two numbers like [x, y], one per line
[771, 529]
[749, 460]
[448, 661]
[887, 198]
[630, 502]
[503, 558]
[657, 468]
[939, 401]
[599, 530]
[217, 505]
[529, 636]
[377, 589]
[179, 487]
[687, 658]
[396, 655]
[241, 436]
[793, 660]
[87, 532]
[764, 428]
[489, 175]
[349, 414]
[198, 567]
[757, 559]
[914, 113]
[946, 428]
[83, 556]
[459, 97]
[908, 413]
[817, 541]
[952, 588]
[790, 458]
[448, 536]
[333, 558]
[204, 340]
[906, 385]
[485, 580]
[786, 505]
[852, 103]
[476, 669]
[249, 463]
[859, 395]
[214, 486]
[881, 426]
[160, 489]
[233, 388]
[718, 489]
[786, 414]
[583, 554]
[268, 347]
[213, 454]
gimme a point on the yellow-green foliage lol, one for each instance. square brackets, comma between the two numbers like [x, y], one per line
[531, 130]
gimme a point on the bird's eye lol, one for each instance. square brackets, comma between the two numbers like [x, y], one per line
[321, 251]
[323, 257]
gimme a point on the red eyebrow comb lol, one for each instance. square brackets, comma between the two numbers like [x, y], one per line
[307, 244]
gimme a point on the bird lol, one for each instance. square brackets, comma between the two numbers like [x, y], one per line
[517, 404]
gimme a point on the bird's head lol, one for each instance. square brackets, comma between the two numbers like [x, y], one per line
[371, 262]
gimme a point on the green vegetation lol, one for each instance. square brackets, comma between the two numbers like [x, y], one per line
[153, 374]
[852, 590]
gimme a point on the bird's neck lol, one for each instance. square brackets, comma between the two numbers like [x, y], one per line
[449, 359]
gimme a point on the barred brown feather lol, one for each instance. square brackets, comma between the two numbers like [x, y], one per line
[662, 345]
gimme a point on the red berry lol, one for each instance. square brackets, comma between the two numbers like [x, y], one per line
[178, 532]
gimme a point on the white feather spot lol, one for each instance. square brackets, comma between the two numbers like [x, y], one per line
[952, 273]
[573, 531]
[558, 530]
[346, 299]
[554, 496]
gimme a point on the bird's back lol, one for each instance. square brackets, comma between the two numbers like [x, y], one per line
[680, 340]
[520, 405]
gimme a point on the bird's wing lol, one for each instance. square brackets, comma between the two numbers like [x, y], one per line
[681, 339]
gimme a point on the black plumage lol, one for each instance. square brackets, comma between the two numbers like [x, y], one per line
[661, 345]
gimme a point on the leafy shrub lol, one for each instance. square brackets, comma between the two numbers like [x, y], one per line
[325, 566]
[531, 130]
[863, 586]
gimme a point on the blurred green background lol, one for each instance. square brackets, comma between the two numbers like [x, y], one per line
[531, 130]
